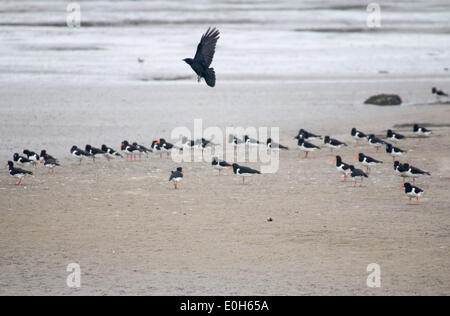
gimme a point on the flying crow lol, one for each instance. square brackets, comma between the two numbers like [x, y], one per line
[204, 56]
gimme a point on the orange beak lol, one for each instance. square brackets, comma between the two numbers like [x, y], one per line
[401, 187]
[6, 165]
[334, 159]
[356, 158]
[42, 160]
[229, 167]
[226, 138]
[157, 142]
[182, 171]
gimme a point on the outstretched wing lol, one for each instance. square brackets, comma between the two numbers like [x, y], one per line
[207, 47]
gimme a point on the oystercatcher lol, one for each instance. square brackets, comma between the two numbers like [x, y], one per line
[306, 147]
[421, 131]
[342, 167]
[251, 142]
[50, 163]
[79, 153]
[358, 174]
[17, 172]
[243, 171]
[165, 146]
[307, 135]
[235, 141]
[110, 153]
[375, 142]
[219, 164]
[438, 93]
[358, 135]
[156, 147]
[401, 170]
[188, 143]
[274, 146]
[32, 156]
[176, 176]
[142, 149]
[413, 172]
[412, 191]
[367, 161]
[95, 152]
[44, 153]
[394, 151]
[21, 159]
[333, 143]
[129, 150]
[393, 136]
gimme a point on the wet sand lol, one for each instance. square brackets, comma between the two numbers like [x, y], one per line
[132, 233]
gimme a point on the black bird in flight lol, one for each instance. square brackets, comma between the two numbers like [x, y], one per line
[204, 56]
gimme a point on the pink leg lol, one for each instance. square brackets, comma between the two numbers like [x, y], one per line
[306, 155]
[243, 180]
[417, 199]
[219, 172]
[360, 185]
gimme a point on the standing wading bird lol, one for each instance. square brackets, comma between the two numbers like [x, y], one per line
[358, 174]
[367, 161]
[274, 146]
[219, 164]
[243, 171]
[358, 135]
[50, 163]
[438, 93]
[333, 143]
[393, 136]
[420, 130]
[342, 167]
[16, 172]
[32, 156]
[412, 192]
[204, 56]
[79, 153]
[306, 147]
[176, 176]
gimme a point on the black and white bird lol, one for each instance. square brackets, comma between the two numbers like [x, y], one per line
[50, 163]
[421, 131]
[394, 151]
[17, 172]
[243, 171]
[342, 167]
[401, 170]
[333, 143]
[156, 148]
[95, 152]
[438, 93]
[357, 174]
[44, 153]
[412, 192]
[176, 176]
[129, 150]
[188, 143]
[307, 135]
[79, 153]
[235, 141]
[32, 156]
[306, 147]
[251, 141]
[358, 135]
[110, 153]
[274, 146]
[367, 161]
[166, 147]
[21, 159]
[219, 164]
[142, 149]
[375, 142]
[413, 172]
[394, 136]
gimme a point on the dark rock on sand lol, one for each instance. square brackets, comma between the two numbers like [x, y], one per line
[384, 99]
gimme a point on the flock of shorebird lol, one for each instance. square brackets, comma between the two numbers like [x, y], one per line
[304, 138]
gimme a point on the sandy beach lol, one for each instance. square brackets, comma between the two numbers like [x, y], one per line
[288, 65]
[132, 233]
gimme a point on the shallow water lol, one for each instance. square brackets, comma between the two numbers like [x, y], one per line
[283, 40]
